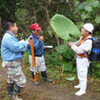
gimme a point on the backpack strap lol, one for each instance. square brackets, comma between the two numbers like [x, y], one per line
[89, 39]
[88, 55]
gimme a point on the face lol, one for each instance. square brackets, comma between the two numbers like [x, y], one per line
[14, 29]
[84, 32]
[35, 32]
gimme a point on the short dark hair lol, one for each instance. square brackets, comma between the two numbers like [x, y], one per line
[9, 23]
[90, 33]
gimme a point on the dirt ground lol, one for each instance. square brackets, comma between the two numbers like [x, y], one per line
[46, 91]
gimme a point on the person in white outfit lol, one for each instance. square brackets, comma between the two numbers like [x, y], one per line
[82, 47]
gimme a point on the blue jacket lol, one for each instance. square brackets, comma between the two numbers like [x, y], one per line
[10, 47]
[38, 47]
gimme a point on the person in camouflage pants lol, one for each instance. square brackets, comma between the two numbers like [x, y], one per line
[11, 53]
[13, 69]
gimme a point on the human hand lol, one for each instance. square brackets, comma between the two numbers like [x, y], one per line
[69, 44]
[45, 47]
[27, 42]
[41, 39]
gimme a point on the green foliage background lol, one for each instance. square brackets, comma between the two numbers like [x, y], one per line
[26, 12]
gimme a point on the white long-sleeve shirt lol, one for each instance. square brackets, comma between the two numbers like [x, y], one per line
[85, 47]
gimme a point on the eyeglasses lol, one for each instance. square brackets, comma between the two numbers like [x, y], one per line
[37, 30]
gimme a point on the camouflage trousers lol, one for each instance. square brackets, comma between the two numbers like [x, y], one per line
[14, 72]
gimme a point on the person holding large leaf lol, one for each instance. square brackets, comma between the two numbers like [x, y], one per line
[39, 46]
[81, 48]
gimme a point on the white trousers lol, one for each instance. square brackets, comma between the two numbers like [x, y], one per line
[39, 64]
[82, 71]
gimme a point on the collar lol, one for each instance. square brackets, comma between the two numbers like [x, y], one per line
[10, 33]
[36, 37]
[84, 37]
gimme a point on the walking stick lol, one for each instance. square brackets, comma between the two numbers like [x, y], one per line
[33, 58]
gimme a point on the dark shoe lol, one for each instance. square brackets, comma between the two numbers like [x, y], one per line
[47, 80]
[36, 83]
[32, 74]
[9, 90]
[44, 74]
[17, 97]
[17, 91]
[9, 96]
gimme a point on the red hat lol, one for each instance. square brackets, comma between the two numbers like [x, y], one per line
[35, 26]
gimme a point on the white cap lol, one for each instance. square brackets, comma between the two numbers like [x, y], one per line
[89, 27]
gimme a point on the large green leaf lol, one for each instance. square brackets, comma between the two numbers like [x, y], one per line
[88, 5]
[65, 51]
[61, 49]
[85, 15]
[68, 66]
[82, 5]
[94, 3]
[88, 8]
[71, 78]
[64, 27]
[97, 19]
